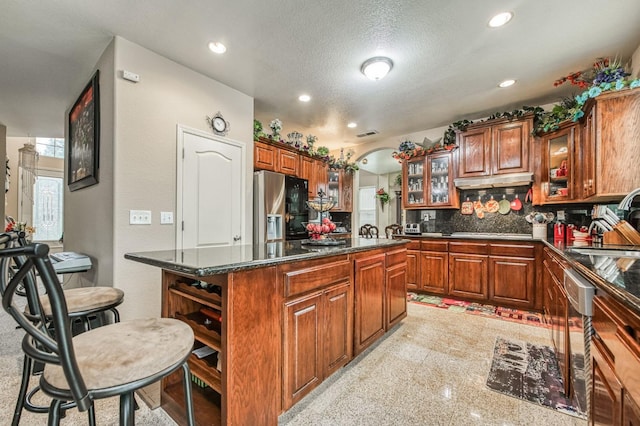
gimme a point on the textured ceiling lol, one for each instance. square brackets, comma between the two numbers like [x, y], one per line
[447, 61]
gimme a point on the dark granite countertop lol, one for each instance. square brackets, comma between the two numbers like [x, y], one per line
[613, 269]
[219, 260]
[474, 236]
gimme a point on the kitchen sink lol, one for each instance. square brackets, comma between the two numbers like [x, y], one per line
[610, 252]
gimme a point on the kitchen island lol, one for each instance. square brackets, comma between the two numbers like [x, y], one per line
[280, 317]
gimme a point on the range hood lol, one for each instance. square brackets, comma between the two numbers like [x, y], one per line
[497, 181]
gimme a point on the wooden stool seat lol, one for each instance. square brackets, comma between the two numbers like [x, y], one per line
[86, 300]
[125, 353]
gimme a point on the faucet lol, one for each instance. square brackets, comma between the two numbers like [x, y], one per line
[625, 204]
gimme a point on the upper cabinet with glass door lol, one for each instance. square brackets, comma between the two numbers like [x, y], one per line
[441, 191]
[557, 171]
[414, 194]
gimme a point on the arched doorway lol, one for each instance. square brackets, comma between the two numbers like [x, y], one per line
[378, 170]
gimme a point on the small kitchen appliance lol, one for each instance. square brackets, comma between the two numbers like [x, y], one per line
[412, 229]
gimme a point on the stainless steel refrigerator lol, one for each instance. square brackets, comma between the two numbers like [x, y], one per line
[279, 207]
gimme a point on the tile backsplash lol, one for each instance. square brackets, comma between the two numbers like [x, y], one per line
[448, 221]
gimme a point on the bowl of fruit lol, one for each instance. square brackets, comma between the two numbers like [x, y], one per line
[319, 231]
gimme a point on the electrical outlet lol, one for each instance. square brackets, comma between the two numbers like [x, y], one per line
[166, 218]
[139, 217]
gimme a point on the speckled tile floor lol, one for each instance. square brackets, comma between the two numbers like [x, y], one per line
[430, 370]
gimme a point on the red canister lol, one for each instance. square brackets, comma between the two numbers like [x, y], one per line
[559, 233]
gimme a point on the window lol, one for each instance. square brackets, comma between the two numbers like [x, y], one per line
[47, 205]
[50, 147]
[367, 205]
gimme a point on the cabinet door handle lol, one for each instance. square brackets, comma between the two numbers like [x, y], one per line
[237, 238]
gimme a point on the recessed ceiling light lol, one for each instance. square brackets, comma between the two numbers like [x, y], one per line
[376, 68]
[352, 125]
[507, 83]
[500, 19]
[217, 47]
[304, 98]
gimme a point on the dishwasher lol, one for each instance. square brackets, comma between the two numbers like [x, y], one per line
[580, 294]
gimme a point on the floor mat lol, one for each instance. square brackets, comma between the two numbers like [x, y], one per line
[507, 314]
[529, 372]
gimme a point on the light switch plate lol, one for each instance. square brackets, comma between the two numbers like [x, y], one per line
[166, 218]
[139, 217]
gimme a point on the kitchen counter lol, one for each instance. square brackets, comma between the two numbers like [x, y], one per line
[219, 260]
[617, 274]
[474, 236]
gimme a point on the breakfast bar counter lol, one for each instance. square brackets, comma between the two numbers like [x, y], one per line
[272, 321]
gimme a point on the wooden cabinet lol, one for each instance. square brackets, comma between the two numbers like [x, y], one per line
[606, 390]
[396, 286]
[275, 159]
[615, 363]
[220, 396]
[558, 175]
[318, 324]
[586, 155]
[369, 291]
[434, 266]
[499, 272]
[414, 178]
[265, 156]
[340, 188]
[440, 189]
[609, 159]
[495, 147]
[556, 309]
[302, 363]
[468, 270]
[512, 274]
[428, 182]
[315, 172]
[468, 276]
[413, 265]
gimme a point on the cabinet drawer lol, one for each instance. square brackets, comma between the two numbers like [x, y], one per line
[318, 276]
[414, 245]
[396, 257]
[434, 245]
[555, 264]
[515, 250]
[468, 247]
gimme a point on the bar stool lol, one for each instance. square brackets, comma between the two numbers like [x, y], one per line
[82, 304]
[113, 360]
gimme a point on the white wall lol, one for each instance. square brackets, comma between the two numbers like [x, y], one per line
[635, 63]
[138, 164]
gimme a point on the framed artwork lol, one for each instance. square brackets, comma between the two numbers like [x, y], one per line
[84, 137]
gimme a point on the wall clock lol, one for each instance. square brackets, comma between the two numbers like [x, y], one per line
[219, 125]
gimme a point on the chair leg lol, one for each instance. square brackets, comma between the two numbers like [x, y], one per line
[54, 413]
[127, 414]
[27, 365]
[91, 413]
[188, 399]
[116, 315]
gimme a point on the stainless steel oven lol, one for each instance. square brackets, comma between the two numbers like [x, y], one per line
[580, 294]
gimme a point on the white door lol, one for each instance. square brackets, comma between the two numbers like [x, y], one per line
[211, 190]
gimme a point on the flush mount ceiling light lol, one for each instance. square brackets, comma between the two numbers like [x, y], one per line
[217, 47]
[507, 83]
[500, 19]
[304, 98]
[352, 125]
[376, 68]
